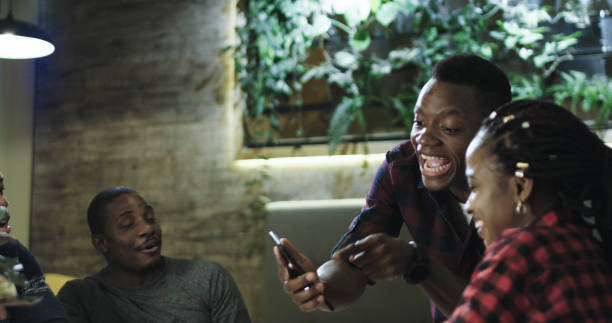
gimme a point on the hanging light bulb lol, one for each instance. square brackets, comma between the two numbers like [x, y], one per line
[21, 40]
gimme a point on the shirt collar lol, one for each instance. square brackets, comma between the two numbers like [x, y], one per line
[420, 184]
[553, 217]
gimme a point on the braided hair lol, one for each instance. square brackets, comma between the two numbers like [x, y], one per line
[559, 149]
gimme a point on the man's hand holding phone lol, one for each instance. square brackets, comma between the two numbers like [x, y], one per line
[298, 276]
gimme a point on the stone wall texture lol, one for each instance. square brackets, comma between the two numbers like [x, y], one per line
[140, 93]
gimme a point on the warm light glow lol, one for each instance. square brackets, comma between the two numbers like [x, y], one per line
[312, 161]
[19, 47]
[314, 204]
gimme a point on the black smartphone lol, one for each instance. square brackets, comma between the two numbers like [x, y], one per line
[294, 269]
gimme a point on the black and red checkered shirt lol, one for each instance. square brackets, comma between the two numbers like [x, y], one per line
[397, 196]
[550, 271]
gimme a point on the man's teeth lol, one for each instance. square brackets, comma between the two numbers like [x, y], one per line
[435, 164]
[436, 169]
[478, 224]
[431, 157]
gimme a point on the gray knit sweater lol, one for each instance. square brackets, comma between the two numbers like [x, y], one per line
[186, 291]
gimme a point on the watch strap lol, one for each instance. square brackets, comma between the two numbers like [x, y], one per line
[418, 270]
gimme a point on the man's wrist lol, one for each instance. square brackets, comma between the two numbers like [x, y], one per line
[418, 270]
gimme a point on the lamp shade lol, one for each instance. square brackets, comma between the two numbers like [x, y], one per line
[19, 40]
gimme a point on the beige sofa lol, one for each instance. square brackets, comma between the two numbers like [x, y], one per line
[314, 227]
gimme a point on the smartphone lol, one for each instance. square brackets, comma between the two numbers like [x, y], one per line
[294, 269]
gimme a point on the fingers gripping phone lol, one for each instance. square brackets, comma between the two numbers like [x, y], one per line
[294, 269]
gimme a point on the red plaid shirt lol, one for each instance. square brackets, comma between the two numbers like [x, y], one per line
[397, 196]
[550, 271]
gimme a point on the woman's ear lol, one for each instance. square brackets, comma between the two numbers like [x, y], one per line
[523, 188]
[99, 243]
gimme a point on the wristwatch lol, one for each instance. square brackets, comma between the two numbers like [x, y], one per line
[419, 266]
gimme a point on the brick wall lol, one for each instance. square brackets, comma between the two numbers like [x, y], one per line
[139, 93]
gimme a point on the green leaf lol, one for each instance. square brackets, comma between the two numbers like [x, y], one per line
[327, 6]
[361, 121]
[431, 34]
[343, 117]
[510, 42]
[461, 36]
[530, 39]
[274, 122]
[486, 51]
[400, 57]
[408, 5]
[374, 5]
[344, 59]
[499, 35]
[510, 27]
[566, 43]
[283, 87]
[604, 114]
[360, 41]
[382, 67]
[320, 25]
[525, 53]
[316, 72]
[354, 11]
[540, 60]
[387, 13]
[343, 79]
[260, 106]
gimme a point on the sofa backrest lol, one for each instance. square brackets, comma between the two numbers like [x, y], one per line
[314, 227]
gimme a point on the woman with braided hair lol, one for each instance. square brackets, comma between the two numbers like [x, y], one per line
[541, 199]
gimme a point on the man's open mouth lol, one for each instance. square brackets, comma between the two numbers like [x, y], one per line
[150, 246]
[434, 165]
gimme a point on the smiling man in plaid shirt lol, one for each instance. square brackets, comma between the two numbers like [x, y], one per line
[421, 183]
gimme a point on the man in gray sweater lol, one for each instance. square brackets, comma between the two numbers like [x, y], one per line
[139, 284]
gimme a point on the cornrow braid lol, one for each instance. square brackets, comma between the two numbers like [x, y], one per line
[559, 149]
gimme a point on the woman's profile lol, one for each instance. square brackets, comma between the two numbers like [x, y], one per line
[540, 197]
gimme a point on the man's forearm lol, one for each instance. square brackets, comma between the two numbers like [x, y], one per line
[344, 284]
[443, 287]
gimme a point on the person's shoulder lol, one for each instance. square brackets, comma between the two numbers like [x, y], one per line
[516, 248]
[13, 248]
[80, 287]
[85, 281]
[403, 151]
[528, 240]
[510, 241]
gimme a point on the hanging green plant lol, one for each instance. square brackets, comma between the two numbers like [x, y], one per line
[366, 45]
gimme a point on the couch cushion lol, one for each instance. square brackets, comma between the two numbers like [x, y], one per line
[314, 227]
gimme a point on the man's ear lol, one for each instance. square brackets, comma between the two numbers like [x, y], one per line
[523, 188]
[98, 241]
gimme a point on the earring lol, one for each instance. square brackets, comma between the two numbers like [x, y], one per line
[520, 208]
